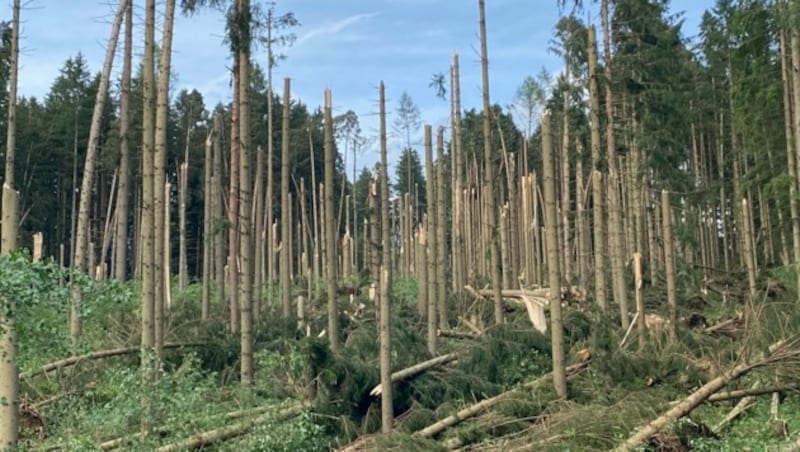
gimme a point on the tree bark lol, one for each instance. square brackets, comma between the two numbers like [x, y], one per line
[597, 179]
[286, 283]
[430, 226]
[553, 267]
[9, 381]
[669, 262]
[330, 227]
[124, 191]
[82, 228]
[489, 201]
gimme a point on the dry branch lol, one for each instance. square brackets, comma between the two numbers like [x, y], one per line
[416, 369]
[73, 360]
[779, 351]
[739, 393]
[475, 409]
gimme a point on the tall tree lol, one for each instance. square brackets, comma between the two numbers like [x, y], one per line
[489, 202]
[330, 229]
[8, 367]
[286, 225]
[387, 414]
[124, 191]
[82, 229]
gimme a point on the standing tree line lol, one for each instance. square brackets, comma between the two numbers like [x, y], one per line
[645, 157]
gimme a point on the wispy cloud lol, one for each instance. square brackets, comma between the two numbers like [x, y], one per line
[333, 27]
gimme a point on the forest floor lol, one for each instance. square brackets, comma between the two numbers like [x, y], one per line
[309, 399]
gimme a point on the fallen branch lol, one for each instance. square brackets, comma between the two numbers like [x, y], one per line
[73, 360]
[475, 409]
[230, 431]
[416, 369]
[739, 393]
[777, 352]
[741, 407]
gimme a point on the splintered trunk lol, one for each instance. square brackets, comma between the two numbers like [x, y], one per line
[641, 325]
[82, 229]
[124, 191]
[245, 199]
[553, 267]
[386, 240]
[597, 178]
[387, 413]
[286, 283]
[581, 237]
[421, 266]
[489, 201]
[183, 188]
[669, 262]
[330, 227]
[430, 189]
[565, 186]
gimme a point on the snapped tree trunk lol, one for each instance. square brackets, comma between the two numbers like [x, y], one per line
[330, 224]
[286, 302]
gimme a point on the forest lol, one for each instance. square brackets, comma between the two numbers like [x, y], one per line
[611, 264]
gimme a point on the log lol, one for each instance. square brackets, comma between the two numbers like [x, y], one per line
[416, 369]
[457, 334]
[230, 431]
[477, 408]
[742, 406]
[788, 349]
[739, 393]
[73, 360]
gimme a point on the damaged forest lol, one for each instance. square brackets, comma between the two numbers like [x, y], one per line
[610, 263]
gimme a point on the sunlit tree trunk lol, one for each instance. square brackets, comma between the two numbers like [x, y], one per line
[669, 262]
[162, 282]
[330, 227]
[385, 281]
[9, 377]
[124, 191]
[245, 194]
[82, 228]
[553, 267]
[489, 201]
[286, 302]
[615, 238]
[597, 178]
[430, 190]
[208, 242]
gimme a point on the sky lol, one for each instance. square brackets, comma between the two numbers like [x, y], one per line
[347, 45]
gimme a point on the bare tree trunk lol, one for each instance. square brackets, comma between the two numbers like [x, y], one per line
[615, 238]
[387, 413]
[489, 201]
[208, 243]
[217, 193]
[749, 253]
[162, 282]
[330, 224]
[553, 267]
[431, 226]
[286, 283]
[233, 212]
[641, 326]
[790, 154]
[82, 228]
[669, 262]
[458, 251]
[597, 179]
[124, 192]
[9, 374]
[245, 249]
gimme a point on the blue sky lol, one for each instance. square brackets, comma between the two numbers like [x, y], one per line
[347, 45]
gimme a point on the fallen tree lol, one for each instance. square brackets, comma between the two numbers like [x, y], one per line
[409, 372]
[777, 352]
[477, 408]
[73, 360]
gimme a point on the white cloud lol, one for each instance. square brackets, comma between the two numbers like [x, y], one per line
[333, 27]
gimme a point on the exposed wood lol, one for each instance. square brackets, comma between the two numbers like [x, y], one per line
[418, 368]
[477, 408]
[777, 352]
